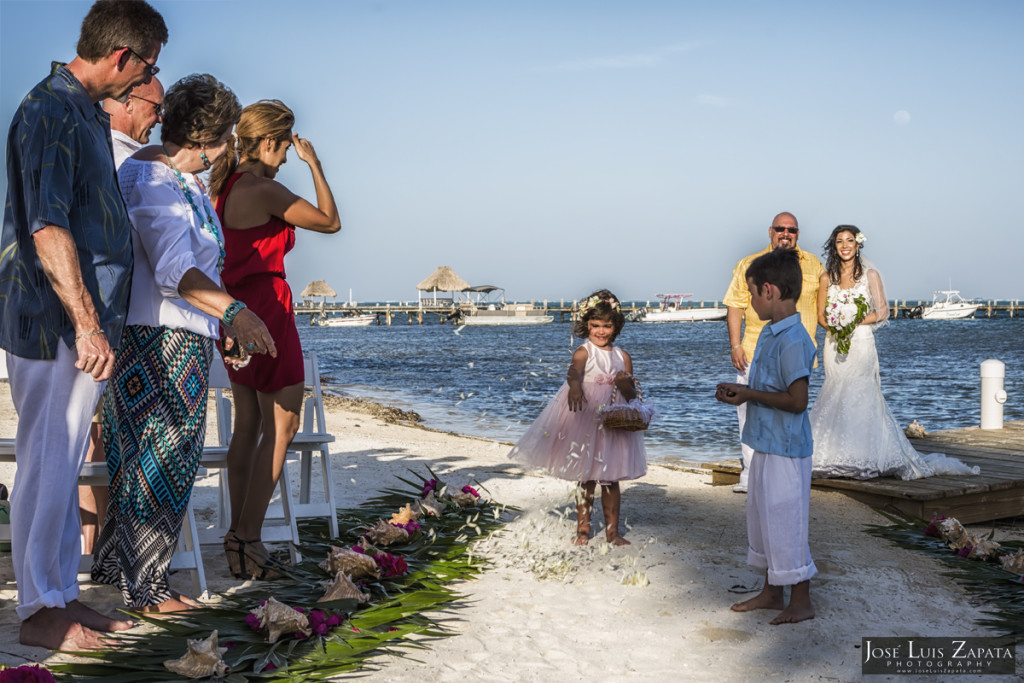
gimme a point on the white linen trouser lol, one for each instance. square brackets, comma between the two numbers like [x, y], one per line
[55, 403]
[778, 513]
[746, 452]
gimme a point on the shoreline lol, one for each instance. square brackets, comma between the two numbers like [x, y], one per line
[545, 608]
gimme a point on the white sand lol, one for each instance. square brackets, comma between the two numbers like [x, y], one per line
[547, 610]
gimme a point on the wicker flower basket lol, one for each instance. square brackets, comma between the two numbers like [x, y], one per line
[631, 417]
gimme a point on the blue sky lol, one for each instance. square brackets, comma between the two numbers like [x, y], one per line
[554, 147]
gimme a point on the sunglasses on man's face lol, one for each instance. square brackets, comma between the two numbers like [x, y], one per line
[151, 69]
[779, 230]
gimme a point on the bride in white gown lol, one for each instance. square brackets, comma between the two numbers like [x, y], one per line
[855, 433]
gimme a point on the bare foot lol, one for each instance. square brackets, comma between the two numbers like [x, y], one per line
[792, 615]
[54, 629]
[173, 604]
[582, 537]
[763, 600]
[92, 619]
[618, 540]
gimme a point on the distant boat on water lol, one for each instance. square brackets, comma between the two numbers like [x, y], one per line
[672, 311]
[352, 320]
[947, 304]
[498, 312]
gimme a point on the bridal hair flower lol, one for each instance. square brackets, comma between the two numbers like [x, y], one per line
[861, 239]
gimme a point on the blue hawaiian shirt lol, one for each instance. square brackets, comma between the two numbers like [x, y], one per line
[784, 354]
[60, 171]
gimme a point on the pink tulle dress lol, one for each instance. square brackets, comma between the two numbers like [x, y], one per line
[574, 445]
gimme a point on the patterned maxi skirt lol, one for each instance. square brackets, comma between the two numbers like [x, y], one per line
[154, 425]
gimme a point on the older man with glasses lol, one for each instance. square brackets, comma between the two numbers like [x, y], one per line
[784, 232]
[132, 121]
[65, 276]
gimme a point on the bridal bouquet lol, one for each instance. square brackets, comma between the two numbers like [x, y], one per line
[843, 312]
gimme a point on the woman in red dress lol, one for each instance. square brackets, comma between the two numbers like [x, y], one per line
[260, 215]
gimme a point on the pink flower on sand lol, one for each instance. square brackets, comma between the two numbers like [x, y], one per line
[428, 486]
[26, 673]
[470, 490]
[252, 621]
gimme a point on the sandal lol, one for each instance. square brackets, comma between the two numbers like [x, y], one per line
[245, 566]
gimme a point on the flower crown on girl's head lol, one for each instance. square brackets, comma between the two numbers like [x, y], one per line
[595, 300]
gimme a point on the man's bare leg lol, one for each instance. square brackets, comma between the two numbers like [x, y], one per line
[770, 597]
[799, 608]
[92, 619]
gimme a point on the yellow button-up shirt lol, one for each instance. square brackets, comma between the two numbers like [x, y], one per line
[738, 296]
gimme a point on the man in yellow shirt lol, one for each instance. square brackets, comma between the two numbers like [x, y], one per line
[784, 232]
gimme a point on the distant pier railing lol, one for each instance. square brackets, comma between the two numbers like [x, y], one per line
[565, 311]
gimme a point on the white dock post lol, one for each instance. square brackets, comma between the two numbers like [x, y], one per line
[993, 396]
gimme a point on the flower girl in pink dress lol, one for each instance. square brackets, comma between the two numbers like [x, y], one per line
[568, 439]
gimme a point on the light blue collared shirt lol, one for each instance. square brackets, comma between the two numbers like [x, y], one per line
[784, 354]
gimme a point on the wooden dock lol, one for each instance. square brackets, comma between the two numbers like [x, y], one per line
[997, 493]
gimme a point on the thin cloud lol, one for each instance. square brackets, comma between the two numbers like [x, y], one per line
[641, 60]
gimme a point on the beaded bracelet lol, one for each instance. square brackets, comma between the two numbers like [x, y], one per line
[86, 334]
[231, 311]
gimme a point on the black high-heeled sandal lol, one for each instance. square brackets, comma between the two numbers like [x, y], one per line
[247, 567]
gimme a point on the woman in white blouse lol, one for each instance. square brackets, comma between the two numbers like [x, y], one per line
[154, 418]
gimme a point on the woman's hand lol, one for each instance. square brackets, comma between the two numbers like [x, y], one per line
[576, 397]
[304, 150]
[250, 332]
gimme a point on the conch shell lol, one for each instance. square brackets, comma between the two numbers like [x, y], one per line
[464, 499]
[341, 587]
[356, 565]
[953, 532]
[404, 515]
[280, 619]
[914, 430]
[202, 660]
[1013, 563]
[429, 506]
[386, 534]
[983, 549]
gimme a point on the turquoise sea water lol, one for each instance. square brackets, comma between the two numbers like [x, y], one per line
[492, 381]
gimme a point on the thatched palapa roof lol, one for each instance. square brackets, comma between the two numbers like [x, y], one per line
[443, 279]
[318, 288]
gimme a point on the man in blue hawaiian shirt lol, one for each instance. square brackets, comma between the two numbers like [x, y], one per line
[65, 274]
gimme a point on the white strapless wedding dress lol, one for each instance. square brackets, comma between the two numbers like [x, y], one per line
[855, 433]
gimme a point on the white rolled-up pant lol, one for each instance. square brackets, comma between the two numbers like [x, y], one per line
[746, 452]
[778, 514]
[55, 403]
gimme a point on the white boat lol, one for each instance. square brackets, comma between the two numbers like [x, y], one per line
[353, 320]
[672, 311]
[947, 304]
[499, 312]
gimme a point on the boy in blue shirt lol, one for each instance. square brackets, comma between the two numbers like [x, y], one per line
[779, 431]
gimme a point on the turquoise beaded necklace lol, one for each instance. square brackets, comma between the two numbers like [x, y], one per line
[208, 224]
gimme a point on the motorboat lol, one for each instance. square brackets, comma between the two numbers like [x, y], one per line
[498, 312]
[947, 304]
[350, 320]
[672, 311]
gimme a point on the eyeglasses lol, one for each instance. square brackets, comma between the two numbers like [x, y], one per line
[151, 69]
[779, 230]
[158, 107]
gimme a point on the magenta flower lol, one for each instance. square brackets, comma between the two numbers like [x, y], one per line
[412, 526]
[252, 621]
[966, 551]
[470, 490]
[26, 673]
[270, 666]
[334, 620]
[359, 549]
[428, 486]
[391, 565]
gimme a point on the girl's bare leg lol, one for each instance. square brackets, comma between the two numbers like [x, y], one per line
[611, 499]
[584, 504]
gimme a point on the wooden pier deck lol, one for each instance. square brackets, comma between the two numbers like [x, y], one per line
[997, 493]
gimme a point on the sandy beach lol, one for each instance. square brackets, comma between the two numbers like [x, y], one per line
[656, 610]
